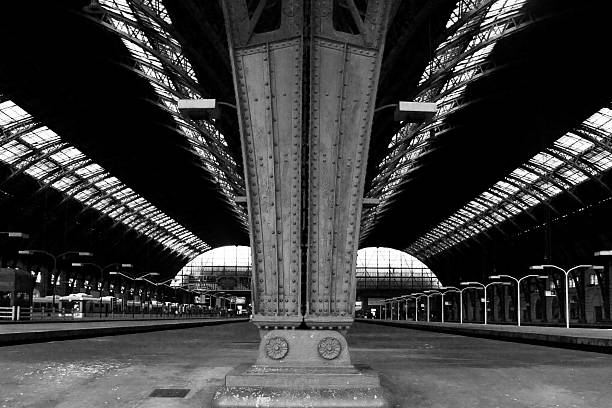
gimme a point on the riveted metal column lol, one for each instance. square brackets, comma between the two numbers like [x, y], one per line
[268, 79]
[305, 160]
[344, 78]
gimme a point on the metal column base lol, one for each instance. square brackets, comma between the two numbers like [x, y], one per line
[301, 368]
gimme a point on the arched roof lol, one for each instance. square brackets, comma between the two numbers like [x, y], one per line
[231, 255]
[90, 131]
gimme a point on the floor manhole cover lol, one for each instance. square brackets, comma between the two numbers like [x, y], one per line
[170, 392]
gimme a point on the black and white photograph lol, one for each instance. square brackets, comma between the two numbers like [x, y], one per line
[305, 203]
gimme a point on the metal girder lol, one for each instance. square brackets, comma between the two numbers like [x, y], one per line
[573, 161]
[146, 24]
[448, 80]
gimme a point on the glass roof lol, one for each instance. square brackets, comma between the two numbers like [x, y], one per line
[581, 154]
[473, 30]
[146, 31]
[377, 261]
[370, 261]
[36, 150]
[223, 256]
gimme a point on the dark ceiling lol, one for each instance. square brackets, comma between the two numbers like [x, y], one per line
[74, 75]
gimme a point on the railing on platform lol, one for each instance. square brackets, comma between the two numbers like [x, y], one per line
[19, 313]
[7, 313]
[14, 313]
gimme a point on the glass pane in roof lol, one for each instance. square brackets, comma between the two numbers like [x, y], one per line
[549, 188]
[9, 113]
[65, 183]
[85, 194]
[41, 169]
[507, 187]
[67, 155]
[572, 175]
[602, 159]
[523, 175]
[88, 170]
[40, 137]
[491, 197]
[573, 143]
[13, 151]
[546, 160]
[528, 198]
[601, 120]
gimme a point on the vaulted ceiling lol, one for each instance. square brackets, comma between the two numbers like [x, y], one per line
[93, 152]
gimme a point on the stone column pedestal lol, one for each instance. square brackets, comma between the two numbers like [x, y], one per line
[301, 368]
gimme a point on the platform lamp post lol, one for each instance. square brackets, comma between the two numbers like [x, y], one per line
[430, 293]
[385, 308]
[607, 253]
[450, 289]
[398, 301]
[55, 258]
[406, 297]
[101, 269]
[566, 273]
[518, 290]
[133, 281]
[461, 302]
[417, 296]
[485, 287]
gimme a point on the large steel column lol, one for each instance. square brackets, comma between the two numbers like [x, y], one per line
[268, 79]
[344, 76]
[306, 84]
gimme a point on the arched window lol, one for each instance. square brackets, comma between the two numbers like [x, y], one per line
[387, 268]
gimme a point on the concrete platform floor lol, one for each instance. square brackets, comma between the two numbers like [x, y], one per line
[421, 369]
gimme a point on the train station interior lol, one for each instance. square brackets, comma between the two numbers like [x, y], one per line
[189, 187]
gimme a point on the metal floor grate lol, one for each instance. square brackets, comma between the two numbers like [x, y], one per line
[170, 392]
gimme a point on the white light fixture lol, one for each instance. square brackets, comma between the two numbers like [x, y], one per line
[196, 108]
[415, 111]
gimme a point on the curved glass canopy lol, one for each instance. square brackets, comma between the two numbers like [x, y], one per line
[472, 31]
[31, 148]
[372, 263]
[582, 154]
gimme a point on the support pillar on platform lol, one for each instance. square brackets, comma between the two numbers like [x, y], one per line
[305, 92]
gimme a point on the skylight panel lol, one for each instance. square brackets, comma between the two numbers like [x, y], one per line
[84, 194]
[601, 120]
[67, 155]
[40, 137]
[572, 175]
[476, 204]
[601, 159]
[546, 160]
[13, 151]
[549, 188]
[507, 187]
[65, 183]
[41, 169]
[491, 197]
[573, 143]
[10, 113]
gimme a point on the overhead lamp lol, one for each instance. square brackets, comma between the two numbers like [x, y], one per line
[196, 108]
[415, 111]
[13, 234]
